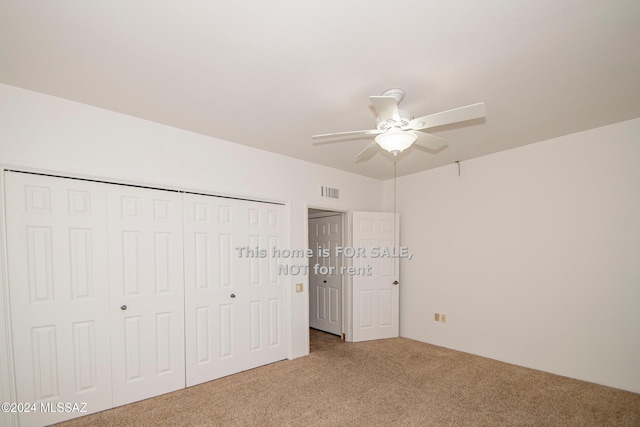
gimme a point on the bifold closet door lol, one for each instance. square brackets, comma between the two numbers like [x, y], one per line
[58, 283]
[212, 301]
[234, 300]
[263, 303]
[97, 293]
[146, 292]
[100, 310]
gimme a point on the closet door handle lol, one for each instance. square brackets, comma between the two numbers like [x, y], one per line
[395, 282]
[233, 295]
[123, 307]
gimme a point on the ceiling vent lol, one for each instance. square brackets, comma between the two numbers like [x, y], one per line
[331, 193]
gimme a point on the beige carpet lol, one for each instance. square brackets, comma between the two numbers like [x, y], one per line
[383, 383]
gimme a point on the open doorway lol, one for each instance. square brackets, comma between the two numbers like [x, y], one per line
[326, 284]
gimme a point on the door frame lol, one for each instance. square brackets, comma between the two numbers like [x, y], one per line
[347, 313]
[7, 376]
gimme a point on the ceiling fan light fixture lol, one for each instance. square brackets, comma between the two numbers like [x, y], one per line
[396, 141]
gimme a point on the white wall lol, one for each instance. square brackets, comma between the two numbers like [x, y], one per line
[44, 132]
[533, 254]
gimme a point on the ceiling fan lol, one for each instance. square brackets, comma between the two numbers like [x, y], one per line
[397, 130]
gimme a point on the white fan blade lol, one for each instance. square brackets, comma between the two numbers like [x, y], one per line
[386, 107]
[430, 142]
[367, 151]
[353, 132]
[469, 112]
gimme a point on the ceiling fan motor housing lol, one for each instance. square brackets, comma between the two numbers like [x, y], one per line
[405, 118]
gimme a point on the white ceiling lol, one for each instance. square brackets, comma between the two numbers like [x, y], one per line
[270, 74]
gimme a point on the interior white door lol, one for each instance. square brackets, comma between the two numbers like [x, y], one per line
[325, 285]
[262, 296]
[146, 292]
[375, 296]
[234, 299]
[212, 308]
[97, 290]
[57, 257]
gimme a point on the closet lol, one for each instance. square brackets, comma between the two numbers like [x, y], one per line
[120, 293]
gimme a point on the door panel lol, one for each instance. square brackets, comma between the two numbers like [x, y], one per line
[57, 257]
[234, 304]
[262, 301]
[325, 311]
[212, 315]
[146, 293]
[375, 296]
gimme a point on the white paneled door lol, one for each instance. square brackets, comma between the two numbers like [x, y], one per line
[234, 298]
[375, 295]
[325, 285]
[262, 288]
[121, 293]
[146, 301]
[212, 307]
[58, 283]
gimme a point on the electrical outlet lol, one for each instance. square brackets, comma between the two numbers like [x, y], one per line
[436, 317]
[299, 287]
[443, 318]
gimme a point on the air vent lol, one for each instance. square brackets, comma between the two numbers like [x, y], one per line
[331, 193]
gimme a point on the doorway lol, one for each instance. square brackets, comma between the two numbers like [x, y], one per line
[319, 340]
[326, 284]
